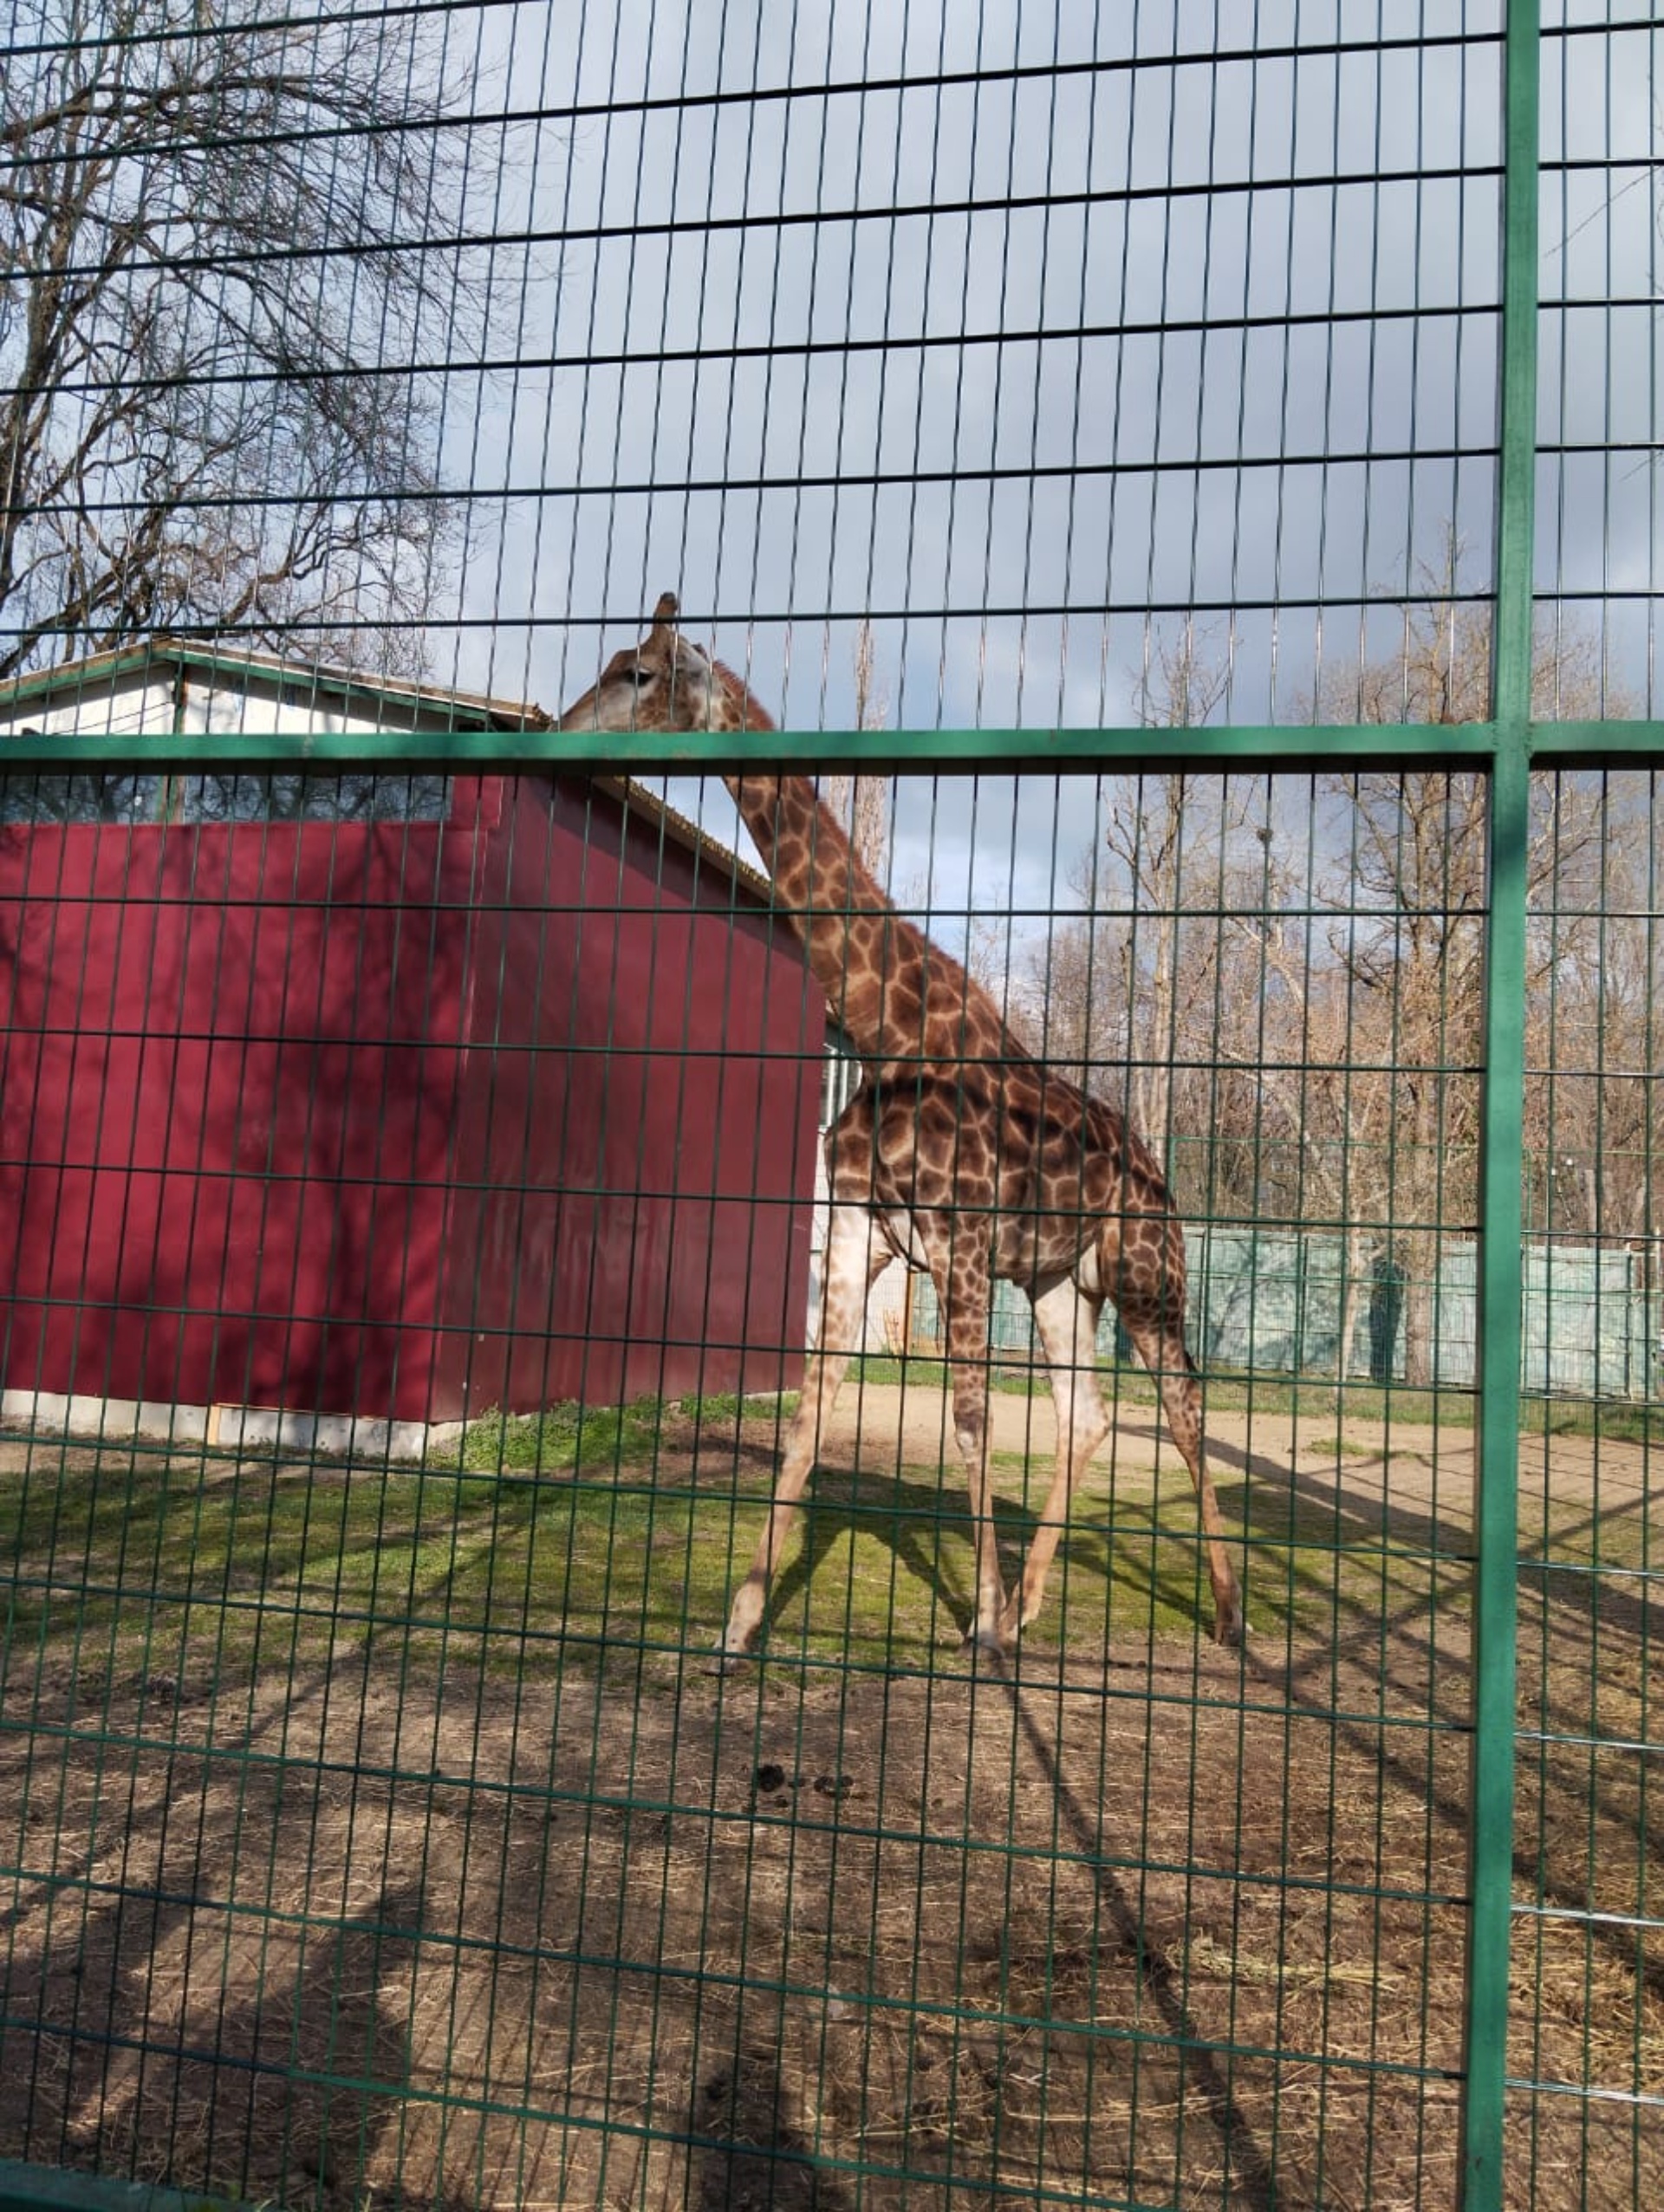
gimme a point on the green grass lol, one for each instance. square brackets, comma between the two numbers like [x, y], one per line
[548, 1539]
[561, 1440]
[571, 1438]
[1621, 1422]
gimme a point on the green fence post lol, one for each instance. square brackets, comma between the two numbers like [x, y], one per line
[1490, 1830]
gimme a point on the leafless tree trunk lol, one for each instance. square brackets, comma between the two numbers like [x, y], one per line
[1353, 1043]
[1168, 841]
[1415, 896]
[863, 803]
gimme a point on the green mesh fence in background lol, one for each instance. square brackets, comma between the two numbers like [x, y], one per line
[1184, 482]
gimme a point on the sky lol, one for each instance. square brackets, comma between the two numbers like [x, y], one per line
[1032, 369]
[1147, 316]
[1033, 333]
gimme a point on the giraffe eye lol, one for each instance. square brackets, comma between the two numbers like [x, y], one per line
[640, 677]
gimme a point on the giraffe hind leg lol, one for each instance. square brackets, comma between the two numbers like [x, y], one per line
[1162, 1348]
[961, 1271]
[1066, 1320]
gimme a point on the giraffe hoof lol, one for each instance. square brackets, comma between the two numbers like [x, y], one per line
[1229, 1626]
[990, 1643]
[737, 1644]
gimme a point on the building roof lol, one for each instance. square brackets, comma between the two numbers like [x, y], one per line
[470, 710]
[466, 710]
[678, 831]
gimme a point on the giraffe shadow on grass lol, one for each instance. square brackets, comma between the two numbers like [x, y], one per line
[1288, 1526]
[864, 1541]
[925, 1527]
[1118, 1555]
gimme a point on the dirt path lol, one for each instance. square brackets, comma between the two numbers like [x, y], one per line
[1411, 1465]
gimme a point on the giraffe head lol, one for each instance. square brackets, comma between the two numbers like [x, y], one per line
[666, 682]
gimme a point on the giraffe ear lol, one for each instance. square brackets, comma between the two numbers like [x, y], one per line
[664, 615]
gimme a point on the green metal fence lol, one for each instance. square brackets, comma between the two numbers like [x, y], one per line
[1269, 1302]
[1196, 480]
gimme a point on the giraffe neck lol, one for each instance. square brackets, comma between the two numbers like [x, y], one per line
[895, 994]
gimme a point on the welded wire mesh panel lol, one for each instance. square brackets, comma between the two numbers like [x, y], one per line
[1588, 1895]
[411, 1273]
[1599, 546]
[1041, 341]
[410, 1297]
[1045, 345]
[451, 1155]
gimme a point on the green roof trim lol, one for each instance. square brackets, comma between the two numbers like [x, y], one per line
[467, 710]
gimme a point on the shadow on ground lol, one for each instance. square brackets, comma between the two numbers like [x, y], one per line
[1142, 1921]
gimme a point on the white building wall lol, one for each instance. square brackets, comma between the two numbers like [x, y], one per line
[131, 706]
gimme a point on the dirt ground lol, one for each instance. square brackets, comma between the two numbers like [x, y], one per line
[1410, 1467]
[1171, 1927]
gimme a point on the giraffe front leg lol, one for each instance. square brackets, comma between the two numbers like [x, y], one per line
[821, 1387]
[751, 1598]
[855, 1256]
[989, 1630]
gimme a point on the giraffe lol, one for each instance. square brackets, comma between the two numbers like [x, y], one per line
[959, 1153]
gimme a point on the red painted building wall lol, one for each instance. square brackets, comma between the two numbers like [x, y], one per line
[399, 1119]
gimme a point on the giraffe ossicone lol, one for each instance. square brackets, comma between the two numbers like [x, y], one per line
[960, 1153]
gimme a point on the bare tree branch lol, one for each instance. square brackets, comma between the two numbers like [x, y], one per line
[201, 430]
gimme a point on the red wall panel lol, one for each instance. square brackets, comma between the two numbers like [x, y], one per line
[223, 1097]
[399, 1119]
[677, 1063]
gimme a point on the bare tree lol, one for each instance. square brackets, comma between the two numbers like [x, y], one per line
[864, 803]
[1125, 984]
[1298, 1031]
[1324, 1064]
[1071, 999]
[223, 247]
[1595, 1099]
[1169, 848]
[1414, 895]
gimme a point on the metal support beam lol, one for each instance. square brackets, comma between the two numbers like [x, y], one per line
[1491, 1832]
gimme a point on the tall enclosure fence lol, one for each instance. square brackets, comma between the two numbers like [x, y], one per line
[798, 803]
[1270, 1303]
